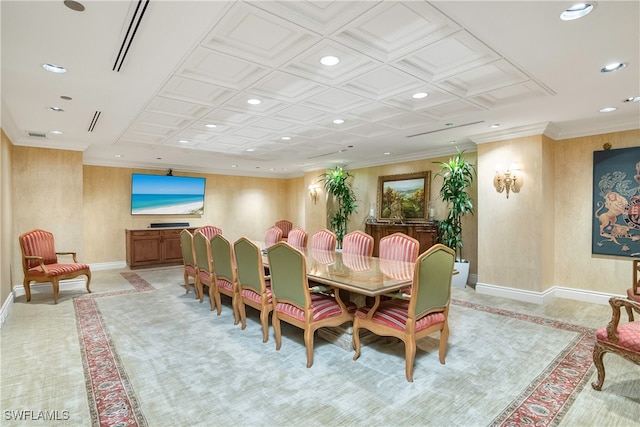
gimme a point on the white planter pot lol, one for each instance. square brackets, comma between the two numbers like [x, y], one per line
[460, 280]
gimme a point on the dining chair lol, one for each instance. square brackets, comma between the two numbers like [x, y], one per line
[40, 263]
[415, 316]
[323, 240]
[399, 247]
[254, 288]
[297, 238]
[272, 236]
[293, 301]
[209, 231]
[205, 275]
[224, 272]
[189, 260]
[285, 226]
[357, 243]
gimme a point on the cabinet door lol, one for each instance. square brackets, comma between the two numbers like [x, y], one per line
[427, 236]
[171, 250]
[145, 249]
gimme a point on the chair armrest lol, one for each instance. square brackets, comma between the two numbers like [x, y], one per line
[616, 305]
[40, 260]
[69, 253]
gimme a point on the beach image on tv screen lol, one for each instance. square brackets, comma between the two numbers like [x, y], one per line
[166, 195]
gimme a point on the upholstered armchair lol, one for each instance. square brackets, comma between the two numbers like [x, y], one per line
[189, 260]
[286, 226]
[294, 302]
[224, 272]
[415, 316]
[40, 263]
[619, 338]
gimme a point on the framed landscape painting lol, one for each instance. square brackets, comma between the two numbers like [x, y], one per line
[404, 195]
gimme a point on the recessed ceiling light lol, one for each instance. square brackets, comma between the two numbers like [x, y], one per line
[55, 109]
[211, 126]
[234, 166]
[632, 99]
[386, 153]
[338, 121]
[66, 98]
[253, 101]
[272, 169]
[118, 155]
[183, 141]
[452, 142]
[58, 69]
[250, 149]
[74, 5]
[615, 66]
[329, 60]
[607, 110]
[495, 125]
[419, 95]
[286, 138]
[56, 132]
[576, 11]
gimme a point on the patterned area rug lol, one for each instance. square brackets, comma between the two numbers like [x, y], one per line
[112, 400]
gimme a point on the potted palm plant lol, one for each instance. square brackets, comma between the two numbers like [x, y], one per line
[337, 183]
[457, 176]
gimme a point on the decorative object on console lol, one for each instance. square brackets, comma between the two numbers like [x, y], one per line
[404, 197]
[508, 180]
[337, 184]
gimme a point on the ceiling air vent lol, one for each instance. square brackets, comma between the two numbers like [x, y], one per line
[94, 120]
[33, 134]
[131, 33]
[447, 128]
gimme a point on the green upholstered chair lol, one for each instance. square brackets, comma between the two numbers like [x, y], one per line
[224, 272]
[293, 301]
[254, 287]
[189, 260]
[417, 315]
[205, 275]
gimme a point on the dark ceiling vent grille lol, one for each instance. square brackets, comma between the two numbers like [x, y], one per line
[443, 129]
[131, 33]
[96, 116]
[36, 134]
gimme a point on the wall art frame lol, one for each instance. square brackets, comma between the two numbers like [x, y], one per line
[405, 193]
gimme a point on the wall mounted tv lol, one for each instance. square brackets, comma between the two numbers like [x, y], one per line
[166, 195]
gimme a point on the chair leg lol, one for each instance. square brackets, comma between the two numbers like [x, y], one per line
[410, 356]
[355, 339]
[234, 306]
[88, 281]
[264, 320]
[56, 289]
[444, 338]
[243, 314]
[276, 329]
[27, 289]
[199, 290]
[308, 343]
[186, 282]
[598, 353]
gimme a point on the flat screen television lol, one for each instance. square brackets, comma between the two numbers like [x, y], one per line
[166, 195]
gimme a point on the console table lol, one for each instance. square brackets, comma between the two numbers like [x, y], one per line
[426, 233]
[154, 246]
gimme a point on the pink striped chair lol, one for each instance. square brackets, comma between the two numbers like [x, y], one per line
[420, 314]
[189, 260]
[293, 301]
[254, 287]
[286, 226]
[209, 231]
[357, 243]
[272, 236]
[399, 247]
[40, 263]
[297, 238]
[323, 240]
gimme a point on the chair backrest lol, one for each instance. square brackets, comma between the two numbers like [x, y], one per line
[209, 231]
[285, 226]
[249, 265]
[37, 243]
[224, 265]
[203, 253]
[188, 251]
[324, 240]
[358, 243]
[289, 275]
[431, 289]
[399, 247]
[272, 236]
[297, 238]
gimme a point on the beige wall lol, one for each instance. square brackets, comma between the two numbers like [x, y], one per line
[6, 218]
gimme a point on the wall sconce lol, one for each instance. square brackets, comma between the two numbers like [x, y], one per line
[313, 192]
[508, 180]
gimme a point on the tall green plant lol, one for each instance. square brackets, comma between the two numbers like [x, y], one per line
[457, 176]
[336, 183]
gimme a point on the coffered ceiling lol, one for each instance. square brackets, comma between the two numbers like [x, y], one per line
[192, 64]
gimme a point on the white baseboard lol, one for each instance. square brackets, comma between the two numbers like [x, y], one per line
[546, 296]
[47, 288]
[6, 309]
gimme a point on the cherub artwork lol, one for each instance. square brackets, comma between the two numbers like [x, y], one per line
[616, 202]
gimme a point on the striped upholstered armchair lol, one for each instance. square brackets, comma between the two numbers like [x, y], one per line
[286, 226]
[40, 263]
